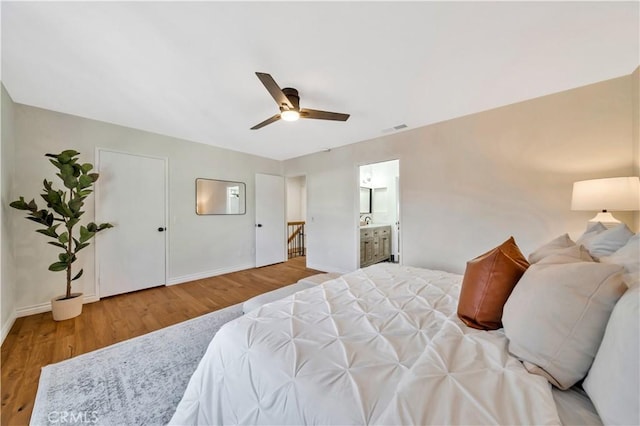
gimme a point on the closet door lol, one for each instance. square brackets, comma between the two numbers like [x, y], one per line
[131, 194]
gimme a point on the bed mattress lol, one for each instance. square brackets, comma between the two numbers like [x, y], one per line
[381, 345]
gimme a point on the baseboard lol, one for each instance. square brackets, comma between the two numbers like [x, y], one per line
[46, 307]
[325, 268]
[208, 274]
[6, 327]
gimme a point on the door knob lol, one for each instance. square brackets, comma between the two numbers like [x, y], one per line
[259, 225]
[161, 229]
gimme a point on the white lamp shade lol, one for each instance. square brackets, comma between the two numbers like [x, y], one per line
[613, 194]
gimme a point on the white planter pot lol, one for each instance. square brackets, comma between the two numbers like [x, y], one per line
[63, 309]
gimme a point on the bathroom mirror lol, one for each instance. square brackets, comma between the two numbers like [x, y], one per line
[365, 200]
[220, 197]
[379, 200]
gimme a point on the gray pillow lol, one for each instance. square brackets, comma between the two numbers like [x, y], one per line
[558, 243]
[556, 316]
[567, 255]
[593, 229]
[608, 242]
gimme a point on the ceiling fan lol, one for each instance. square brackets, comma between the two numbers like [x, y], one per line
[289, 103]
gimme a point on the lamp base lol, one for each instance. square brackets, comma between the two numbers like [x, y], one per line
[606, 218]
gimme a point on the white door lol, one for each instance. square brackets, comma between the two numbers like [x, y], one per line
[270, 220]
[131, 195]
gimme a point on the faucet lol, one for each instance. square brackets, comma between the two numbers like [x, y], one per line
[367, 220]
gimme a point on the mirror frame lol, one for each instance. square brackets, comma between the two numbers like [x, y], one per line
[242, 208]
[364, 188]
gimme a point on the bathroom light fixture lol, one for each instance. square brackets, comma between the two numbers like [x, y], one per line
[615, 194]
[289, 115]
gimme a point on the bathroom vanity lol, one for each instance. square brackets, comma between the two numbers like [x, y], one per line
[375, 244]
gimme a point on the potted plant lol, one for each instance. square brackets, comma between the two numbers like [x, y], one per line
[59, 220]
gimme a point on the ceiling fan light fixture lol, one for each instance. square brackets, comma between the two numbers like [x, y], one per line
[289, 102]
[289, 115]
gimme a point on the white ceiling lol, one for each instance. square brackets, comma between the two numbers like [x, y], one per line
[187, 69]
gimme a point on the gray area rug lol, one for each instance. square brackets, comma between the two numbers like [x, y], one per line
[136, 382]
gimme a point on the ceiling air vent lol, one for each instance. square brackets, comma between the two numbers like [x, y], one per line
[394, 128]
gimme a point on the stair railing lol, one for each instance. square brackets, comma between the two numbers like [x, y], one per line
[296, 241]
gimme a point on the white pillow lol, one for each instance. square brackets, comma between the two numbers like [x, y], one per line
[609, 241]
[558, 243]
[557, 313]
[627, 256]
[613, 383]
[632, 279]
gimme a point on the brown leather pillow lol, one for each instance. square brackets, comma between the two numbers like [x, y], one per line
[487, 284]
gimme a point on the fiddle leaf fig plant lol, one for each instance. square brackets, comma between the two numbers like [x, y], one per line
[63, 212]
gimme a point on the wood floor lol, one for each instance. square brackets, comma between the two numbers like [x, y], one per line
[37, 340]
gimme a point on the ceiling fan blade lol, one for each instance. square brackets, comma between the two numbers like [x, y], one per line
[275, 90]
[323, 115]
[267, 121]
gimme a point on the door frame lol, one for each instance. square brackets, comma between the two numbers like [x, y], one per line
[356, 201]
[97, 190]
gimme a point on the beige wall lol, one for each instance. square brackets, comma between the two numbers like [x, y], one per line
[199, 246]
[469, 183]
[7, 283]
[296, 198]
[635, 91]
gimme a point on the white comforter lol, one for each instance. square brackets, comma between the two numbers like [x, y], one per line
[381, 345]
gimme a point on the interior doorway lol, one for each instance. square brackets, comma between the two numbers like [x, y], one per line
[379, 186]
[296, 188]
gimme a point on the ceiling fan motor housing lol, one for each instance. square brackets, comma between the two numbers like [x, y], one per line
[292, 95]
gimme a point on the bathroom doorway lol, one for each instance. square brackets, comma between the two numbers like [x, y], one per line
[379, 215]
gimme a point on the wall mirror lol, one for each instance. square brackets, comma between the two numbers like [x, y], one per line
[365, 200]
[220, 197]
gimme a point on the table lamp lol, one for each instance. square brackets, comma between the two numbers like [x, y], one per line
[606, 195]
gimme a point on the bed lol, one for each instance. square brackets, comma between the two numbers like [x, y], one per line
[381, 345]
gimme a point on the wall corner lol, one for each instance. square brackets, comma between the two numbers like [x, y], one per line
[635, 151]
